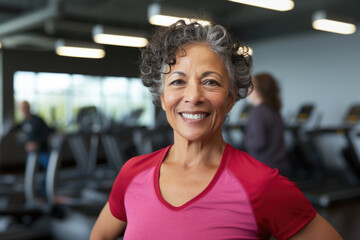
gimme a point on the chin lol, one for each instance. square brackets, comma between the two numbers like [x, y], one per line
[195, 137]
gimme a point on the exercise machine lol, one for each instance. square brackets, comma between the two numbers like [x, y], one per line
[303, 157]
[337, 187]
[28, 220]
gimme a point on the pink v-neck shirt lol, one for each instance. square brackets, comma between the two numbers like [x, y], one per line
[245, 200]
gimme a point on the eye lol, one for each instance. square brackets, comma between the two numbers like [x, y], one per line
[177, 82]
[211, 82]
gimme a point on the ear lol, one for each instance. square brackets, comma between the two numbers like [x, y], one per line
[231, 99]
[162, 102]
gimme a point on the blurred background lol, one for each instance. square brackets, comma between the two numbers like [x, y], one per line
[101, 114]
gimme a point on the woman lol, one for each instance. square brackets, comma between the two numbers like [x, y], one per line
[200, 187]
[264, 138]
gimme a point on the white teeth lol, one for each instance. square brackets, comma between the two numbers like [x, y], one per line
[193, 116]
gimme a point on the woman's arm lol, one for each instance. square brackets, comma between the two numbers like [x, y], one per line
[107, 226]
[318, 229]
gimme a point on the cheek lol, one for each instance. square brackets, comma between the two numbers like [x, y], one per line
[220, 102]
[169, 101]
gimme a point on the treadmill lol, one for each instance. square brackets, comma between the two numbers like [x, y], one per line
[29, 220]
[301, 154]
[331, 190]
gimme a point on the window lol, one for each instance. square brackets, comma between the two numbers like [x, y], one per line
[57, 97]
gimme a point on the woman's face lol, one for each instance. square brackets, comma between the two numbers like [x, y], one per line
[196, 94]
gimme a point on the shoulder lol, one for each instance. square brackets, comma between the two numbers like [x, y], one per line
[263, 109]
[264, 115]
[259, 180]
[128, 172]
[257, 177]
[246, 168]
[259, 114]
[279, 206]
[36, 119]
[138, 164]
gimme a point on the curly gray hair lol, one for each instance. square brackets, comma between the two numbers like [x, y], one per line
[162, 49]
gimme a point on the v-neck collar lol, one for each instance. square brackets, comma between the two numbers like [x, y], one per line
[200, 195]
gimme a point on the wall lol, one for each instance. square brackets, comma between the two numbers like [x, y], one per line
[318, 67]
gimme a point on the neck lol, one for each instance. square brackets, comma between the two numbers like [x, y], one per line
[257, 101]
[194, 153]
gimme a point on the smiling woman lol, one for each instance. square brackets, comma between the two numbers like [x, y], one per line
[201, 187]
[196, 94]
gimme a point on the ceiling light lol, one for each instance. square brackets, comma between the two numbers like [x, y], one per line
[278, 5]
[77, 49]
[118, 37]
[162, 16]
[320, 22]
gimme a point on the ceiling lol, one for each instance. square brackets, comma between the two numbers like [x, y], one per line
[36, 24]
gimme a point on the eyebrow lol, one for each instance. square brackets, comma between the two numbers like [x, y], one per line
[211, 72]
[178, 73]
[204, 74]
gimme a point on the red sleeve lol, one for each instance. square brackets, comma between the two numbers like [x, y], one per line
[282, 209]
[279, 206]
[130, 169]
[116, 198]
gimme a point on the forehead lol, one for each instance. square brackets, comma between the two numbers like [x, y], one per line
[201, 50]
[199, 55]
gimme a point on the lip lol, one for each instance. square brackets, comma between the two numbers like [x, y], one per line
[194, 116]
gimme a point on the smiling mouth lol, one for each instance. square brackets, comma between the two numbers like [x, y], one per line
[195, 116]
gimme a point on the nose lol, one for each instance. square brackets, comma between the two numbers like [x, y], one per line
[194, 94]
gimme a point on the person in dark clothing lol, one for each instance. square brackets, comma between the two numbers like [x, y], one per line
[264, 138]
[36, 133]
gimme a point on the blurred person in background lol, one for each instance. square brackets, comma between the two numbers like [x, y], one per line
[35, 133]
[264, 133]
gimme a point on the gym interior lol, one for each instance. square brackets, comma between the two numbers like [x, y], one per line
[102, 115]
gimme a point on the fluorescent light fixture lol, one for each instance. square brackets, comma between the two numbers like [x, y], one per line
[161, 16]
[278, 5]
[118, 37]
[320, 22]
[80, 50]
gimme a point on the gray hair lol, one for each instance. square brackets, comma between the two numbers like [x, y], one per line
[161, 51]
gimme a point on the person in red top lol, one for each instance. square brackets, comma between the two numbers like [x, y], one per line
[200, 187]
